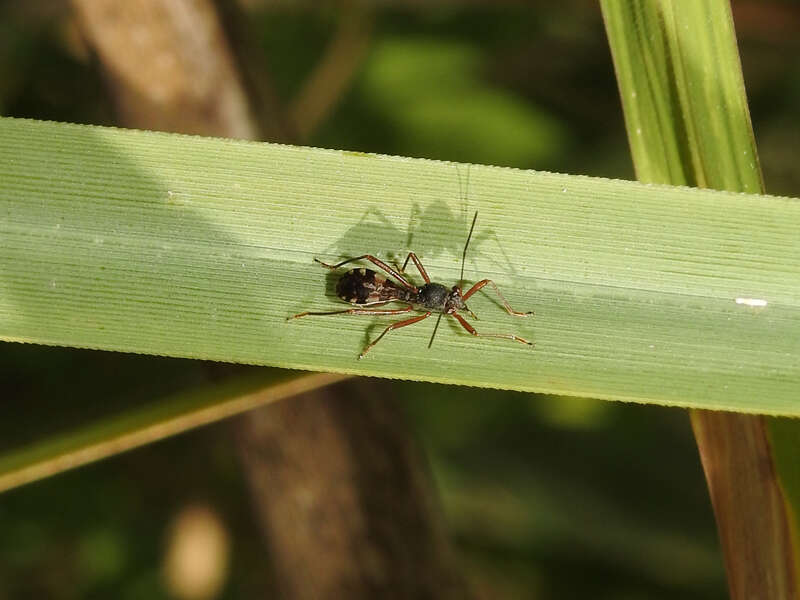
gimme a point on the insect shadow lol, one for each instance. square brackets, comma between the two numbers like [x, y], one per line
[431, 233]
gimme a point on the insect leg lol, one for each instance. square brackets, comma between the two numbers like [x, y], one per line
[397, 325]
[471, 329]
[481, 284]
[420, 268]
[377, 262]
[357, 311]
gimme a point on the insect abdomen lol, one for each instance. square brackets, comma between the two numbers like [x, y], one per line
[363, 286]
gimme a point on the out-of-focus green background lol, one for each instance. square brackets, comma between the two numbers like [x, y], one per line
[544, 497]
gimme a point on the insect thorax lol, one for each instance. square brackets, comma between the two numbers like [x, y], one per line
[364, 286]
[433, 296]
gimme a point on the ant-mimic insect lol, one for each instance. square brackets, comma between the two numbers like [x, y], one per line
[366, 288]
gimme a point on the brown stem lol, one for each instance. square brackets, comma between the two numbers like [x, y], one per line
[332, 75]
[748, 504]
[169, 65]
[344, 498]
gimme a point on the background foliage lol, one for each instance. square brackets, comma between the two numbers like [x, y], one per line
[534, 489]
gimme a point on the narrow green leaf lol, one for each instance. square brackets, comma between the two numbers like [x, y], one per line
[145, 424]
[195, 247]
[683, 94]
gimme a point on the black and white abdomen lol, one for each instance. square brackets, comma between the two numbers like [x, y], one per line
[364, 286]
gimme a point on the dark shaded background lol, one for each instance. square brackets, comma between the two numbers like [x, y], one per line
[544, 497]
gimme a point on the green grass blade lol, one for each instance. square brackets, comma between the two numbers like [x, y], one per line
[682, 92]
[195, 247]
[144, 424]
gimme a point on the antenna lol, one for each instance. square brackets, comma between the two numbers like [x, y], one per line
[464, 255]
[436, 327]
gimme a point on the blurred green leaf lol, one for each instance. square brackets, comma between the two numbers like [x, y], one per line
[419, 82]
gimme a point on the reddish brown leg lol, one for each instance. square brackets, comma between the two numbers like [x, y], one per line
[471, 329]
[377, 262]
[357, 311]
[481, 284]
[420, 268]
[397, 325]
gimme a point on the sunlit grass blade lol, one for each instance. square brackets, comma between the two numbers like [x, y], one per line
[201, 248]
[145, 424]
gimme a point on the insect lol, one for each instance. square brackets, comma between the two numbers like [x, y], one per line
[369, 290]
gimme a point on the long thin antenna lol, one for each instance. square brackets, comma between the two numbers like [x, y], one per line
[464, 255]
[435, 329]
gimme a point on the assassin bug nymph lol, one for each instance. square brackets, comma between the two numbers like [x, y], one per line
[366, 288]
